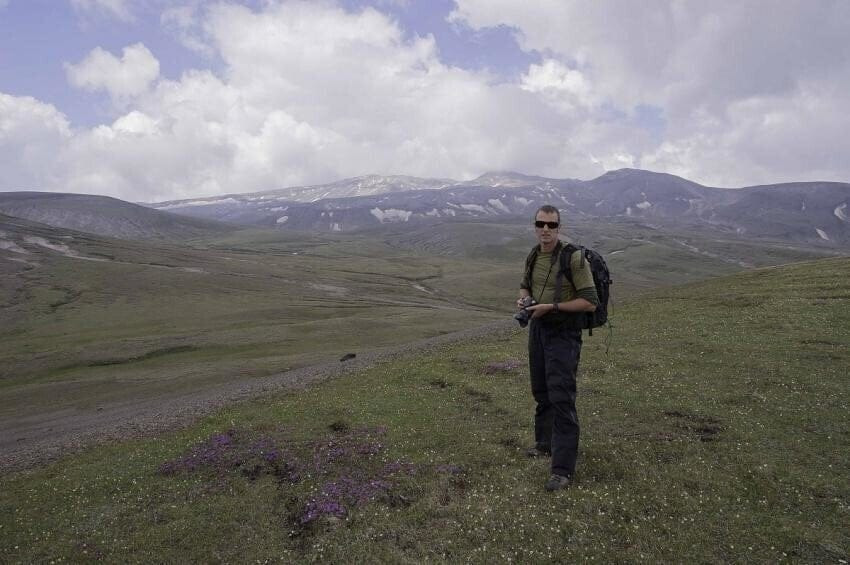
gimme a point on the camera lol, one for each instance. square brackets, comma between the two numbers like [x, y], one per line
[523, 315]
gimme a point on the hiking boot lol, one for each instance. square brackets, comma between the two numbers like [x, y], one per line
[557, 482]
[538, 452]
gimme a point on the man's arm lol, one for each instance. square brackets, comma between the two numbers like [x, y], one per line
[574, 305]
[586, 300]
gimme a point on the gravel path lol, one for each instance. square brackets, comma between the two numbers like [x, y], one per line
[45, 438]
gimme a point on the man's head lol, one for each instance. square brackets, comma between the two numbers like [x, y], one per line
[547, 222]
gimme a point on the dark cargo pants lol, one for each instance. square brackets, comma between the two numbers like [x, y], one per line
[553, 356]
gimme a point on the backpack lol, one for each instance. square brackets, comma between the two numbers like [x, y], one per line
[601, 279]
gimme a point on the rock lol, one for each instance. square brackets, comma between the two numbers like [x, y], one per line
[347, 356]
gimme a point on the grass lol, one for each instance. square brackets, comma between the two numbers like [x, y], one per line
[159, 319]
[714, 430]
[162, 319]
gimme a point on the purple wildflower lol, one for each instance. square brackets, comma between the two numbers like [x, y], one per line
[449, 469]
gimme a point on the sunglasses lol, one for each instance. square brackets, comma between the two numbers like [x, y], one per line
[550, 225]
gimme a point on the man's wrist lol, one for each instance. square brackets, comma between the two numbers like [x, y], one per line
[555, 307]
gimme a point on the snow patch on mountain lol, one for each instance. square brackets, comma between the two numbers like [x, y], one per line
[839, 212]
[522, 200]
[199, 203]
[422, 288]
[644, 205]
[330, 289]
[391, 215]
[474, 208]
[282, 220]
[498, 205]
[11, 246]
[822, 234]
[58, 247]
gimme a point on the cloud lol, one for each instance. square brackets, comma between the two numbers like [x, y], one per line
[749, 91]
[563, 86]
[309, 92]
[31, 135]
[118, 9]
[122, 78]
[183, 22]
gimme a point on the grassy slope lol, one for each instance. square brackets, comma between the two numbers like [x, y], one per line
[641, 256]
[716, 430]
[80, 333]
[158, 319]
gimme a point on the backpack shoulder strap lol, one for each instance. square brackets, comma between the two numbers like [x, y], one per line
[565, 269]
[531, 258]
[529, 265]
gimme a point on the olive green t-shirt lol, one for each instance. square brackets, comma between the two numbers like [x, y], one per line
[543, 278]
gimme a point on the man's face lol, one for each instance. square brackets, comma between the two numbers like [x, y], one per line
[546, 236]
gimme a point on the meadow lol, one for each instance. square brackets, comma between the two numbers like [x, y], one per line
[714, 429]
[113, 323]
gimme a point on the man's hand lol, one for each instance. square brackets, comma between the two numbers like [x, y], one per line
[520, 302]
[539, 310]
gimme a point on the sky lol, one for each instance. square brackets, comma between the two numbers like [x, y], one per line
[152, 100]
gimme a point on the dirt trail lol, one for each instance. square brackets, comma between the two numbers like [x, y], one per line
[42, 438]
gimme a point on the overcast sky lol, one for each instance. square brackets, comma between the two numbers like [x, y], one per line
[149, 100]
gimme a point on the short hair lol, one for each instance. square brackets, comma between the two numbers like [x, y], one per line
[549, 209]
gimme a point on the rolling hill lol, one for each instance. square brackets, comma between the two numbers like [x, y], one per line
[103, 215]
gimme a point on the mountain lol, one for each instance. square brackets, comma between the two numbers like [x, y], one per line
[106, 216]
[509, 179]
[368, 185]
[810, 212]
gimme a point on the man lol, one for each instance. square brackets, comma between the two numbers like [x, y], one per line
[554, 344]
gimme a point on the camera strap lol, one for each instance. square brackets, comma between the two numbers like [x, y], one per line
[539, 296]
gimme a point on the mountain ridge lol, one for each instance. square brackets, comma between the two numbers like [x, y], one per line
[813, 212]
[798, 211]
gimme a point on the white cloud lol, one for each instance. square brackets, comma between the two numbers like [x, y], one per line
[118, 9]
[307, 92]
[744, 86]
[563, 86]
[123, 78]
[184, 23]
[31, 135]
[311, 93]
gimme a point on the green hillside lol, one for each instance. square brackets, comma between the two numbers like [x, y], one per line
[715, 429]
[641, 255]
[90, 321]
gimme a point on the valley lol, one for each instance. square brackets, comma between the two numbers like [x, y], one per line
[101, 334]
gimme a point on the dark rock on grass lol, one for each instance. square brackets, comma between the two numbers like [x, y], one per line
[439, 383]
[339, 426]
[347, 357]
